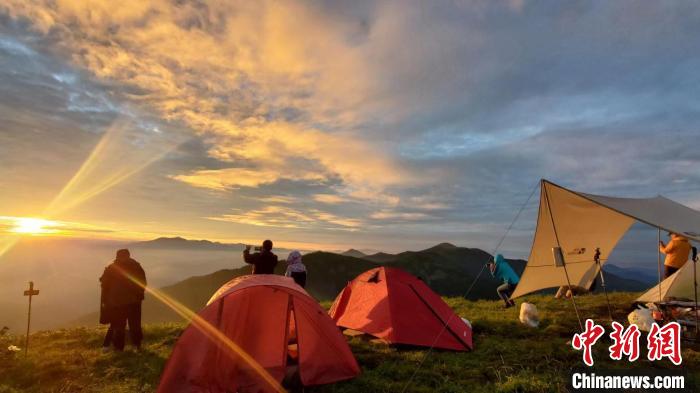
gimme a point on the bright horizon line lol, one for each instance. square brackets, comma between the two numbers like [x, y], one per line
[226, 241]
[13, 236]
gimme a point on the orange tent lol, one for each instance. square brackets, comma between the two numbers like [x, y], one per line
[395, 306]
[249, 333]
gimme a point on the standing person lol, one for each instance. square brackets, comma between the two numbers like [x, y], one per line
[677, 252]
[296, 268]
[501, 270]
[106, 314]
[123, 286]
[264, 261]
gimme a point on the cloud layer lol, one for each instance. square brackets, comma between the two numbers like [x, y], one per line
[384, 121]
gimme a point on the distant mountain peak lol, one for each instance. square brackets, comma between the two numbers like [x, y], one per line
[354, 253]
[443, 246]
[182, 243]
[175, 239]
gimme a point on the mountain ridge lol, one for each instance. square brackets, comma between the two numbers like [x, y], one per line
[449, 270]
[353, 253]
[178, 242]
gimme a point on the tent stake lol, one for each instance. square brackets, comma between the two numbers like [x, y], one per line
[602, 281]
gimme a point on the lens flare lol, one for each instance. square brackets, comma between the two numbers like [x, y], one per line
[210, 331]
[125, 149]
[6, 244]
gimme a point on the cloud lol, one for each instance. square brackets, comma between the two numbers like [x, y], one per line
[230, 178]
[274, 199]
[287, 217]
[329, 198]
[389, 215]
[364, 114]
[260, 87]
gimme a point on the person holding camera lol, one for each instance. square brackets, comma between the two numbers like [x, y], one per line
[676, 251]
[263, 261]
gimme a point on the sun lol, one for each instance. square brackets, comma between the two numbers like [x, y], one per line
[34, 226]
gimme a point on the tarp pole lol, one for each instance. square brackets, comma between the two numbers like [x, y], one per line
[695, 288]
[556, 236]
[602, 282]
[658, 258]
[573, 295]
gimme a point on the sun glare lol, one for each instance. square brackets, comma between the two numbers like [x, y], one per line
[34, 226]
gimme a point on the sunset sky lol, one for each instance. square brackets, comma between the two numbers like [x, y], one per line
[375, 124]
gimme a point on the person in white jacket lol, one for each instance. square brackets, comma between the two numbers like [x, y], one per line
[296, 268]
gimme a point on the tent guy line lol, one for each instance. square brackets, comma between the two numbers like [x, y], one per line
[571, 263]
[476, 279]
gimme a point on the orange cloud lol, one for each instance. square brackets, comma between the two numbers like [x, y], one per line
[331, 199]
[225, 70]
[287, 217]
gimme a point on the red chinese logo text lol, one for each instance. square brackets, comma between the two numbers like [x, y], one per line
[586, 339]
[665, 342]
[625, 342]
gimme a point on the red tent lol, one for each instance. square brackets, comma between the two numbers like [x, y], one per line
[393, 305]
[251, 330]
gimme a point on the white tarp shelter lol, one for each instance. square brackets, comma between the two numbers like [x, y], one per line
[680, 286]
[579, 223]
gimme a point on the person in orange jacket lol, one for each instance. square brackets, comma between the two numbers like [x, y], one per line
[677, 252]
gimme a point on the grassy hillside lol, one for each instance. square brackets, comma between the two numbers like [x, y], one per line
[508, 356]
[450, 270]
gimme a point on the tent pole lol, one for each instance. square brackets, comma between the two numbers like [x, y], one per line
[556, 236]
[695, 288]
[658, 258]
[573, 295]
[602, 282]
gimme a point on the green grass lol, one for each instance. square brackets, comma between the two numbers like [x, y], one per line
[508, 356]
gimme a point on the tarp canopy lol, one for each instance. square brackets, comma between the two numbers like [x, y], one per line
[579, 223]
[679, 286]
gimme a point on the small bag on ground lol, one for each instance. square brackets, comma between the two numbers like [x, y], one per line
[529, 315]
[642, 318]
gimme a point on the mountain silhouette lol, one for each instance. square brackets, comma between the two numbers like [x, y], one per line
[354, 253]
[448, 269]
[175, 243]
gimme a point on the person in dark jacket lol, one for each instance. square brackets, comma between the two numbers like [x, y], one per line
[123, 286]
[264, 261]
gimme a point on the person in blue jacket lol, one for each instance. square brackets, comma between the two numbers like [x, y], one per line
[501, 270]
